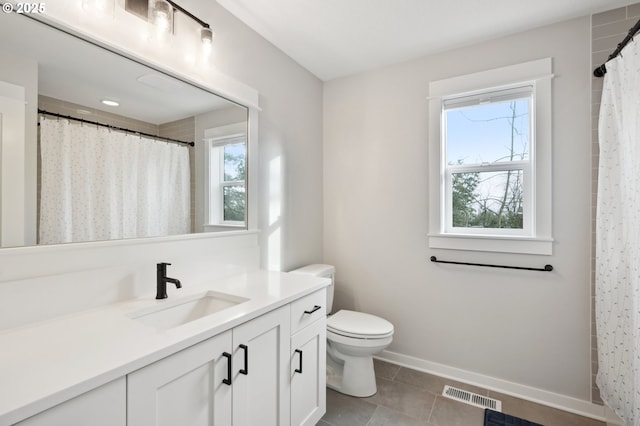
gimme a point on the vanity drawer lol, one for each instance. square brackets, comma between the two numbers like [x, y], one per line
[308, 309]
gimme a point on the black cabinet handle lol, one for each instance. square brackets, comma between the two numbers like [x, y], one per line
[245, 370]
[299, 369]
[315, 308]
[227, 381]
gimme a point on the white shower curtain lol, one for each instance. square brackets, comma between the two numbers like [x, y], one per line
[98, 184]
[618, 237]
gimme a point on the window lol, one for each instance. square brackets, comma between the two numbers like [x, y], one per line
[227, 174]
[490, 144]
[486, 138]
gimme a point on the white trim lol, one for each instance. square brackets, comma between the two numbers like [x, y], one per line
[539, 396]
[540, 241]
[500, 77]
[492, 243]
[13, 223]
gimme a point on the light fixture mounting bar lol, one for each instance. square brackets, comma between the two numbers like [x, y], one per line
[189, 14]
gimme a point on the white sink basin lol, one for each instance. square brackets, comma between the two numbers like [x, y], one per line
[174, 313]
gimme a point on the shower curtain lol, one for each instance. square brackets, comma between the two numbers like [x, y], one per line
[618, 237]
[98, 184]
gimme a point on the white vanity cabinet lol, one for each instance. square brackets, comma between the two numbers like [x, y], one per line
[261, 396]
[260, 364]
[236, 378]
[103, 406]
[308, 359]
[186, 388]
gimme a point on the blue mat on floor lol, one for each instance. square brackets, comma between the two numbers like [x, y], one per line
[494, 418]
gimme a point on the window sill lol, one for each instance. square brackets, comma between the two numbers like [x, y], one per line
[223, 227]
[492, 243]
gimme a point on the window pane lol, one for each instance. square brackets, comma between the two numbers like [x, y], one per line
[234, 203]
[488, 133]
[487, 199]
[234, 162]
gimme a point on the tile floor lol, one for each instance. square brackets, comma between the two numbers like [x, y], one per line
[407, 397]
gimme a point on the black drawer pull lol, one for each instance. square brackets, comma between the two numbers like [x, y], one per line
[227, 381]
[299, 369]
[315, 308]
[245, 370]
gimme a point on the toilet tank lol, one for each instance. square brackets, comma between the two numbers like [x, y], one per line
[320, 270]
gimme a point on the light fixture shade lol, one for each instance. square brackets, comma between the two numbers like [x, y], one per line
[161, 17]
[206, 36]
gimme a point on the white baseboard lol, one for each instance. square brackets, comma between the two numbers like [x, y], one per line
[540, 396]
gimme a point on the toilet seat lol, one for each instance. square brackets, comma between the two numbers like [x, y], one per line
[359, 325]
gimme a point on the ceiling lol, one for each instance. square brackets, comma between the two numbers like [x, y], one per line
[335, 38]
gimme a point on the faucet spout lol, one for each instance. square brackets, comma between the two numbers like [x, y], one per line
[174, 281]
[162, 280]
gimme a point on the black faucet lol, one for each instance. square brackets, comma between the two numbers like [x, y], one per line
[162, 280]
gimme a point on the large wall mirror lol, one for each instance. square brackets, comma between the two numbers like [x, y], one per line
[115, 150]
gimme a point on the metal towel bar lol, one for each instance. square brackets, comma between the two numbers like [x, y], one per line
[547, 268]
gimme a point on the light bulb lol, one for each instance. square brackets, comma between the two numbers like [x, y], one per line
[161, 18]
[206, 35]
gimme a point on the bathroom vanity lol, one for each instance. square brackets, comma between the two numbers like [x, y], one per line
[244, 350]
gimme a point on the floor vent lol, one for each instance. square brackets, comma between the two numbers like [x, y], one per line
[471, 398]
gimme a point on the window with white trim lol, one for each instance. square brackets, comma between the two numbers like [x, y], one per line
[490, 143]
[227, 173]
[487, 141]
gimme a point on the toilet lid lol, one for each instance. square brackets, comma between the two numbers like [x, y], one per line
[358, 324]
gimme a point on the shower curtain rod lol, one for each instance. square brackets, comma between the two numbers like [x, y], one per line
[122, 129]
[602, 69]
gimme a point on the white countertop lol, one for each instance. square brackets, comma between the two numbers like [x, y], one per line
[44, 364]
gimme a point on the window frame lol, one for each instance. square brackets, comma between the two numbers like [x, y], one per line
[217, 183]
[501, 94]
[537, 239]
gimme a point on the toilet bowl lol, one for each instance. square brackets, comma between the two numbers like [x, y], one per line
[352, 340]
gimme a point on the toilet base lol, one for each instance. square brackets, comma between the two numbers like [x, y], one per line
[354, 376]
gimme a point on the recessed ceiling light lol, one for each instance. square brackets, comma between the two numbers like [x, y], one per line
[83, 111]
[110, 102]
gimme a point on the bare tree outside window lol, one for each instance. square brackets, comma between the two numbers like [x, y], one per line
[498, 132]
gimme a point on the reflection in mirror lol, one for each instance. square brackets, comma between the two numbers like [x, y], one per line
[122, 150]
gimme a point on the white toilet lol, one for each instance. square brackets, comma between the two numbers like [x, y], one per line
[352, 340]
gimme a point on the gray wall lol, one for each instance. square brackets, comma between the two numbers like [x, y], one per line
[290, 210]
[528, 328]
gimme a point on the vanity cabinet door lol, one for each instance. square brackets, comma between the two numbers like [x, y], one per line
[186, 388]
[308, 374]
[103, 406]
[261, 370]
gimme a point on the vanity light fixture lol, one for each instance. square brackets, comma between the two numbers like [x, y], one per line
[161, 16]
